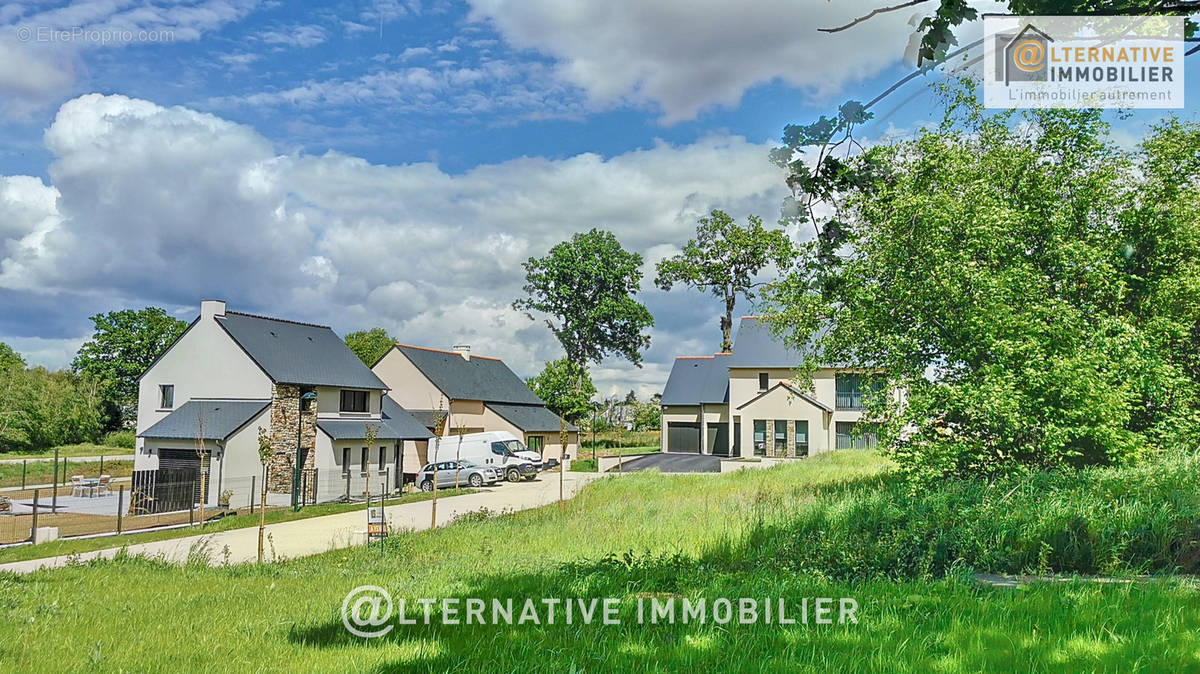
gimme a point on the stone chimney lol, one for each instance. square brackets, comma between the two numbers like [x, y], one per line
[212, 308]
[463, 350]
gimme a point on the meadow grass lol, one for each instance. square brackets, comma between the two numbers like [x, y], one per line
[623, 537]
[43, 472]
[69, 451]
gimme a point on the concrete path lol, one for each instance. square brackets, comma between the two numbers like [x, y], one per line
[320, 534]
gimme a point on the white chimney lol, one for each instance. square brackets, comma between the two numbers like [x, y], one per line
[463, 350]
[212, 308]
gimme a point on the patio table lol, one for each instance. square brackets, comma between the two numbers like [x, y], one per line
[90, 484]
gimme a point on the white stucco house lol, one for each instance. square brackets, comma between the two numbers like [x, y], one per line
[744, 403]
[231, 373]
[480, 393]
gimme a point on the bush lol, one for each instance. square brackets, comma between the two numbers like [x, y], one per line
[583, 466]
[1140, 519]
[124, 439]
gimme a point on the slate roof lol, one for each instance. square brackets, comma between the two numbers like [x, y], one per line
[530, 418]
[298, 353]
[695, 380]
[426, 418]
[480, 378]
[221, 418]
[756, 346]
[397, 424]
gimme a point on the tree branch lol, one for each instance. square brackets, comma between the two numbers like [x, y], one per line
[881, 10]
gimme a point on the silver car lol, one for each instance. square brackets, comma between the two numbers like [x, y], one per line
[464, 473]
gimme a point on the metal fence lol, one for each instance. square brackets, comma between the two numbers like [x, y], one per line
[161, 498]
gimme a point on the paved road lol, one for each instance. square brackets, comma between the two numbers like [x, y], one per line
[669, 462]
[320, 534]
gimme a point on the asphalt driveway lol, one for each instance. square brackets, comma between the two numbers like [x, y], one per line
[669, 462]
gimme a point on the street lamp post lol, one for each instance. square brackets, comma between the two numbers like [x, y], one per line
[307, 397]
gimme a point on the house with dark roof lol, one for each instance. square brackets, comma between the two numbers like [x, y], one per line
[745, 403]
[202, 403]
[477, 393]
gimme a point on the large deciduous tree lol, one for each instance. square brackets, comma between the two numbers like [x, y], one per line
[566, 397]
[123, 345]
[725, 259]
[1034, 288]
[370, 345]
[584, 288]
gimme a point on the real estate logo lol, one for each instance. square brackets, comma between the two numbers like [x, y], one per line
[1083, 62]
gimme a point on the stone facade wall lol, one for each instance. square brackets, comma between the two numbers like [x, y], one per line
[285, 405]
[789, 451]
[5, 504]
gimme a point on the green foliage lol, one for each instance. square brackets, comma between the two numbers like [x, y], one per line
[125, 343]
[370, 345]
[264, 446]
[125, 439]
[725, 259]
[586, 287]
[1033, 287]
[40, 409]
[568, 397]
[10, 358]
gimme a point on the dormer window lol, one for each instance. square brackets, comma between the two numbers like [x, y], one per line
[354, 401]
[166, 396]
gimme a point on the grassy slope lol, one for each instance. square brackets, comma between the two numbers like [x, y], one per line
[639, 533]
[42, 472]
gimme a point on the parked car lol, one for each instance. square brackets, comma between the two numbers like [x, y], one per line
[450, 473]
[499, 450]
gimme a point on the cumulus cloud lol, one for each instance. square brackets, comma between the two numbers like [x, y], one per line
[165, 206]
[686, 55]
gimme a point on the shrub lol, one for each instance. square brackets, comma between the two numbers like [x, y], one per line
[124, 439]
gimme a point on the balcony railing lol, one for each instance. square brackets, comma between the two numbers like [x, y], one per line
[850, 400]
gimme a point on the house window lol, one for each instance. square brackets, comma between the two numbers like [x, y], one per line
[364, 459]
[764, 381]
[780, 438]
[354, 401]
[536, 443]
[382, 459]
[760, 437]
[166, 396]
[345, 460]
[852, 390]
[801, 438]
[848, 437]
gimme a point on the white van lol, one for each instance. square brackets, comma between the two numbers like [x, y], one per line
[498, 449]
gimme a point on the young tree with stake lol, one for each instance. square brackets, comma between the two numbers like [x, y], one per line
[585, 288]
[264, 457]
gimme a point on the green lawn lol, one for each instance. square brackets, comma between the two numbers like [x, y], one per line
[42, 472]
[636, 535]
[70, 451]
[240, 521]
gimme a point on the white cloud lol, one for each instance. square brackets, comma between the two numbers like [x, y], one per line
[687, 55]
[301, 37]
[168, 205]
[40, 50]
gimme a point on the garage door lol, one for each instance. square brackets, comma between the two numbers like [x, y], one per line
[718, 439]
[683, 436]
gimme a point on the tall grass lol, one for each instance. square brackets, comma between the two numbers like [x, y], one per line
[691, 535]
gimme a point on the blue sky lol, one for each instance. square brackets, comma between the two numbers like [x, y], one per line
[391, 163]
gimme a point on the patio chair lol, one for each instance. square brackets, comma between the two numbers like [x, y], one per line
[102, 488]
[76, 485]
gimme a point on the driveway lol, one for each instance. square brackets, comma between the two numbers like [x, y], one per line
[669, 462]
[320, 534]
